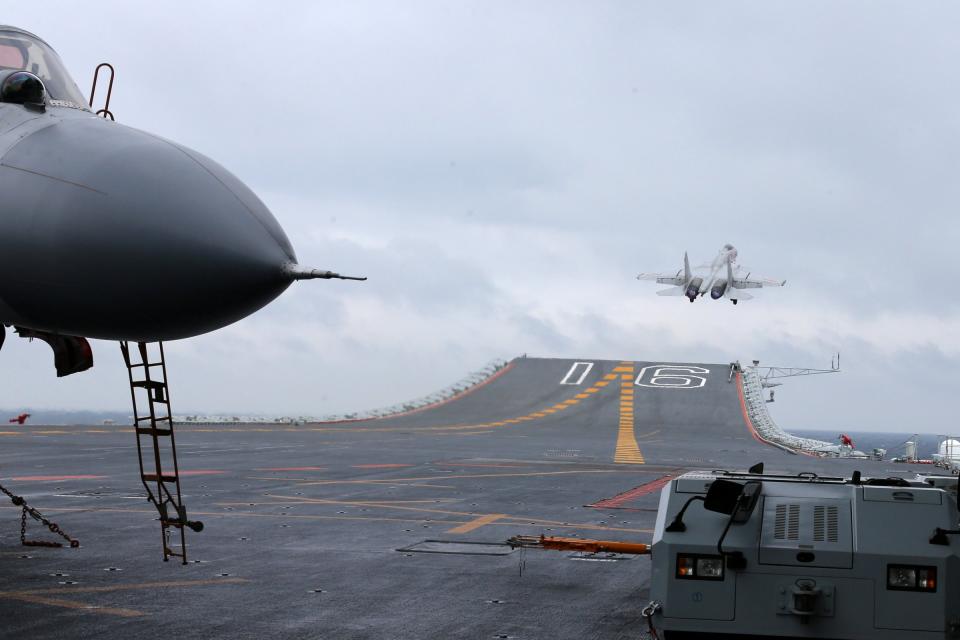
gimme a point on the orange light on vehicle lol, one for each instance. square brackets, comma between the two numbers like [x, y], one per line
[685, 566]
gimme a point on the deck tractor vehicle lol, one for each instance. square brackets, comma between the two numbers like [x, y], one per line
[754, 555]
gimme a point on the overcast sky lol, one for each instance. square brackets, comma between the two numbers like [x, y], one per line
[502, 170]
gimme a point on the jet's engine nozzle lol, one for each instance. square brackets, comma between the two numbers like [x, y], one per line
[719, 288]
[693, 289]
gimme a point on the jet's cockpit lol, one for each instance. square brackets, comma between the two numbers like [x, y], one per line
[23, 51]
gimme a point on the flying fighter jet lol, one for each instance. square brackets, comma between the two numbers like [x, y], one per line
[113, 233]
[20, 419]
[720, 278]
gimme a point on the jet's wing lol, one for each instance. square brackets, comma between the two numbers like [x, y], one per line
[756, 282]
[672, 291]
[676, 279]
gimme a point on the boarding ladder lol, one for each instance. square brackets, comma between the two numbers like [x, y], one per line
[153, 422]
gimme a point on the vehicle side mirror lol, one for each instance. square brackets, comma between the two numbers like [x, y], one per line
[723, 496]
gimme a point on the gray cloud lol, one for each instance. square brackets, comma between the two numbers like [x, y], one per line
[501, 172]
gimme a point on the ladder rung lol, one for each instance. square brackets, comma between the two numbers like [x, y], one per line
[157, 418]
[150, 384]
[150, 431]
[152, 477]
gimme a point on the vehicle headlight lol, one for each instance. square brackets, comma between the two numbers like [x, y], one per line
[695, 566]
[710, 567]
[903, 577]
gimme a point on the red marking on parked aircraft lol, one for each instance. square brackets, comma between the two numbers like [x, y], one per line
[44, 478]
[644, 489]
[20, 419]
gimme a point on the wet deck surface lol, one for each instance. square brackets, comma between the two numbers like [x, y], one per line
[317, 531]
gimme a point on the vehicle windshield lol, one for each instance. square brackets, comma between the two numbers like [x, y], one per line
[24, 52]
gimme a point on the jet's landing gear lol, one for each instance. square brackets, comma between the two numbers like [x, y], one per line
[734, 301]
[153, 419]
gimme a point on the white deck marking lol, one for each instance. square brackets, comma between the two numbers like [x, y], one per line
[663, 376]
[585, 366]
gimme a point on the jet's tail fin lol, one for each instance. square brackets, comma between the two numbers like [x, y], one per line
[729, 274]
[686, 268]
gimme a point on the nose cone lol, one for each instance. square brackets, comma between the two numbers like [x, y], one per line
[113, 233]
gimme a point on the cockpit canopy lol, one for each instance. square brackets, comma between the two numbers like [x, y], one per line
[23, 51]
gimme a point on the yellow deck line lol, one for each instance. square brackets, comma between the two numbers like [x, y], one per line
[628, 451]
[477, 523]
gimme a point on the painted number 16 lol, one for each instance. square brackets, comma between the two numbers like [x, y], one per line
[660, 376]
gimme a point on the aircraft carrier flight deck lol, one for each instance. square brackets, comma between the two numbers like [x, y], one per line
[383, 528]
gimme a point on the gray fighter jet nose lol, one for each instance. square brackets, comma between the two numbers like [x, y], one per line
[150, 240]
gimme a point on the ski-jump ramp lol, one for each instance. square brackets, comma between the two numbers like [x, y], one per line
[675, 414]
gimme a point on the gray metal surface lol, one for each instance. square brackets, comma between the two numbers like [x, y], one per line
[303, 522]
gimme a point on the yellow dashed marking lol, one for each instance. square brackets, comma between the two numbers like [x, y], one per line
[601, 383]
[623, 370]
[610, 376]
[467, 527]
[581, 396]
[627, 452]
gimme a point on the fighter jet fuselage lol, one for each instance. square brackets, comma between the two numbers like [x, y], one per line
[110, 232]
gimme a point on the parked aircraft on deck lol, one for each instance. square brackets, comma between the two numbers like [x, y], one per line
[113, 233]
[721, 278]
